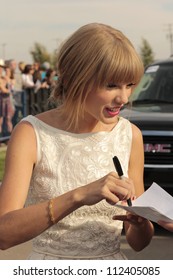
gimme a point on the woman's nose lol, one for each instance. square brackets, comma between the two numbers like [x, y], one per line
[123, 96]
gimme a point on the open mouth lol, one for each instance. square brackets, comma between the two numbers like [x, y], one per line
[113, 111]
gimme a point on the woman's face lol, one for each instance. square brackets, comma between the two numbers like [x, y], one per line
[104, 105]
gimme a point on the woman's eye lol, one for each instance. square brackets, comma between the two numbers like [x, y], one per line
[111, 86]
[130, 85]
[115, 86]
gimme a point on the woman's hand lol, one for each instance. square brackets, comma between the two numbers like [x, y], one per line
[110, 187]
[166, 225]
[139, 231]
[133, 219]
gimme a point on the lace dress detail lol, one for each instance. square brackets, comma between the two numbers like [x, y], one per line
[66, 161]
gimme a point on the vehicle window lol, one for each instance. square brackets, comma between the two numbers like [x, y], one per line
[155, 85]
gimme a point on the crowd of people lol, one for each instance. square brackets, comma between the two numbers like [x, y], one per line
[16, 77]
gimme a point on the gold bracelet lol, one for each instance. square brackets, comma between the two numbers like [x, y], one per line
[51, 215]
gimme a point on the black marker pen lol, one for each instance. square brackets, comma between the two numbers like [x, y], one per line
[120, 174]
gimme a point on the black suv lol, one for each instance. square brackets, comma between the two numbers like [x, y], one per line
[151, 109]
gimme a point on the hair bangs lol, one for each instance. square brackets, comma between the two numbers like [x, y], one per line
[122, 66]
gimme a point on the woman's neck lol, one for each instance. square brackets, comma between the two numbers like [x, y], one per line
[57, 120]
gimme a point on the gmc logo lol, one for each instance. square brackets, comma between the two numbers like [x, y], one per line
[157, 148]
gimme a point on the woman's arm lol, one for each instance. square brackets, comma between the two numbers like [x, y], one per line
[139, 231]
[18, 224]
[166, 225]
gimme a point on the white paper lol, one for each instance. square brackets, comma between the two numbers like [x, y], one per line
[154, 204]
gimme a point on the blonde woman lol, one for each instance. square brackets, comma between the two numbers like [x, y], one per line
[60, 186]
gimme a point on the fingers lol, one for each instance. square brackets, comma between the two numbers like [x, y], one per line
[120, 218]
[123, 189]
[115, 189]
[115, 194]
[110, 187]
[131, 218]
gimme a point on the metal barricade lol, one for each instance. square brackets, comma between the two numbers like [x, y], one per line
[27, 102]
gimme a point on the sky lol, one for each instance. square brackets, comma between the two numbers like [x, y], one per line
[49, 22]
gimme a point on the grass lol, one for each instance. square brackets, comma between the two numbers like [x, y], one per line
[2, 163]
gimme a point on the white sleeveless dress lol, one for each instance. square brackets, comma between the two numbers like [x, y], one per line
[69, 160]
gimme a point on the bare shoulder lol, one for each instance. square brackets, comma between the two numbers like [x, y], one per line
[136, 132]
[137, 149]
[136, 164]
[23, 141]
[21, 157]
[23, 131]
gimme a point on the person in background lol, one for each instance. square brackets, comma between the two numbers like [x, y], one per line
[27, 77]
[50, 78]
[9, 77]
[36, 72]
[18, 94]
[21, 66]
[40, 84]
[6, 99]
[18, 77]
[59, 170]
[12, 64]
[10, 84]
[2, 89]
[44, 68]
[48, 81]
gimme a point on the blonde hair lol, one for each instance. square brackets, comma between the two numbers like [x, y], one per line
[93, 56]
